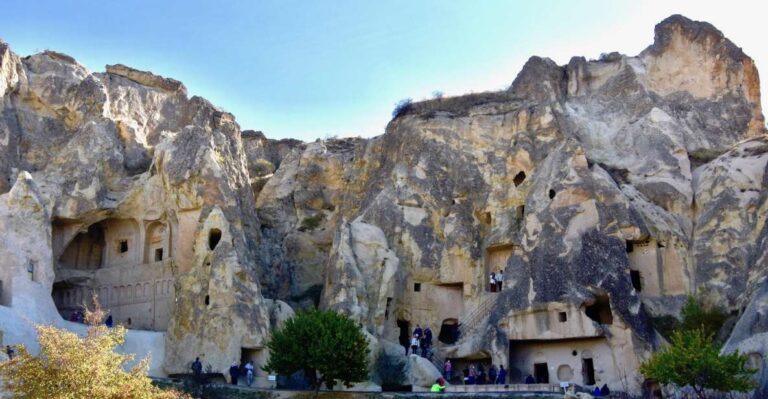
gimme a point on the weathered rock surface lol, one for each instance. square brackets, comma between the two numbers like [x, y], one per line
[606, 190]
[420, 371]
[572, 180]
[124, 152]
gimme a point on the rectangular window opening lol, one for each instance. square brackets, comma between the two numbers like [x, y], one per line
[541, 373]
[588, 370]
[123, 246]
[158, 254]
[562, 316]
[417, 287]
[637, 282]
[31, 269]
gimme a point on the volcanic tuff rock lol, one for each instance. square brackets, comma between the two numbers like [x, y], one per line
[606, 190]
[129, 148]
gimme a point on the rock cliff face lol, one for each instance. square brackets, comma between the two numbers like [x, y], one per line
[605, 190]
[142, 196]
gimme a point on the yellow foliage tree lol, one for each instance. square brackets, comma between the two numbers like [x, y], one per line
[73, 367]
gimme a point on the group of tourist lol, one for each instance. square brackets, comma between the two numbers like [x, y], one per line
[477, 375]
[496, 281]
[421, 342]
[235, 371]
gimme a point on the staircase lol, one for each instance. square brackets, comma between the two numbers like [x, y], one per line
[436, 360]
[477, 316]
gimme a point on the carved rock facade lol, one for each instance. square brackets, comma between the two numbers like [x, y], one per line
[605, 190]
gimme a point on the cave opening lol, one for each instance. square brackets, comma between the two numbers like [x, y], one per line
[519, 178]
[214, 236]
[449, 331]
[405, 333]
[114, 259]
[600, 310]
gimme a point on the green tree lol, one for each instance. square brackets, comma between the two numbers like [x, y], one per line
[325, 345]
[693, 358]
[71, 366]
[698, 315]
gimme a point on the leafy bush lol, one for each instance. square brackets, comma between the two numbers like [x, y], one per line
[665, 325]
[327, 346]
[402, 107]
[70, 366]
[693, 358]
[698, 315]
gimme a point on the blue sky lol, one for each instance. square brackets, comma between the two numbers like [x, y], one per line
[309, 69]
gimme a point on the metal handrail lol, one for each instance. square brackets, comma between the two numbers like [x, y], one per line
[477, 314]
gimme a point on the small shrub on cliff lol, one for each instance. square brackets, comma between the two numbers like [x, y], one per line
[263, 167]
[699, 315]
[312, 222]
[696, 314]
[402, 107]
[693, 358]
[327, 346]
[71, 366]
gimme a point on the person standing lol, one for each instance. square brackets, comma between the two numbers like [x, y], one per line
[109, 322]
[492, 375]
[9, 351]
[197, 367]
[234, 372]
[249, 373]
[499, 280]
[414, 345]
[492, 282]
[472, 375]
[447, 368]
[502, 377]
[428, 337]
[418, 333]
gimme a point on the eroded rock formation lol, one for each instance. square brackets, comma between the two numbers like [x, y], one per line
[606, 190]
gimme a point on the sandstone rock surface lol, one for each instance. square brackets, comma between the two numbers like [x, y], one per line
[605, 190]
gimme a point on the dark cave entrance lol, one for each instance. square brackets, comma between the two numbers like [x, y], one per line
[600, 310]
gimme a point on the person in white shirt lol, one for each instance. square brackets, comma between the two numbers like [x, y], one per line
[492, 282]
[249, 373]
[414, 344]
[499, 280]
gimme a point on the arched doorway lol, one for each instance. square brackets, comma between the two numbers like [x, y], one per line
[156, 248]
[449, 331]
